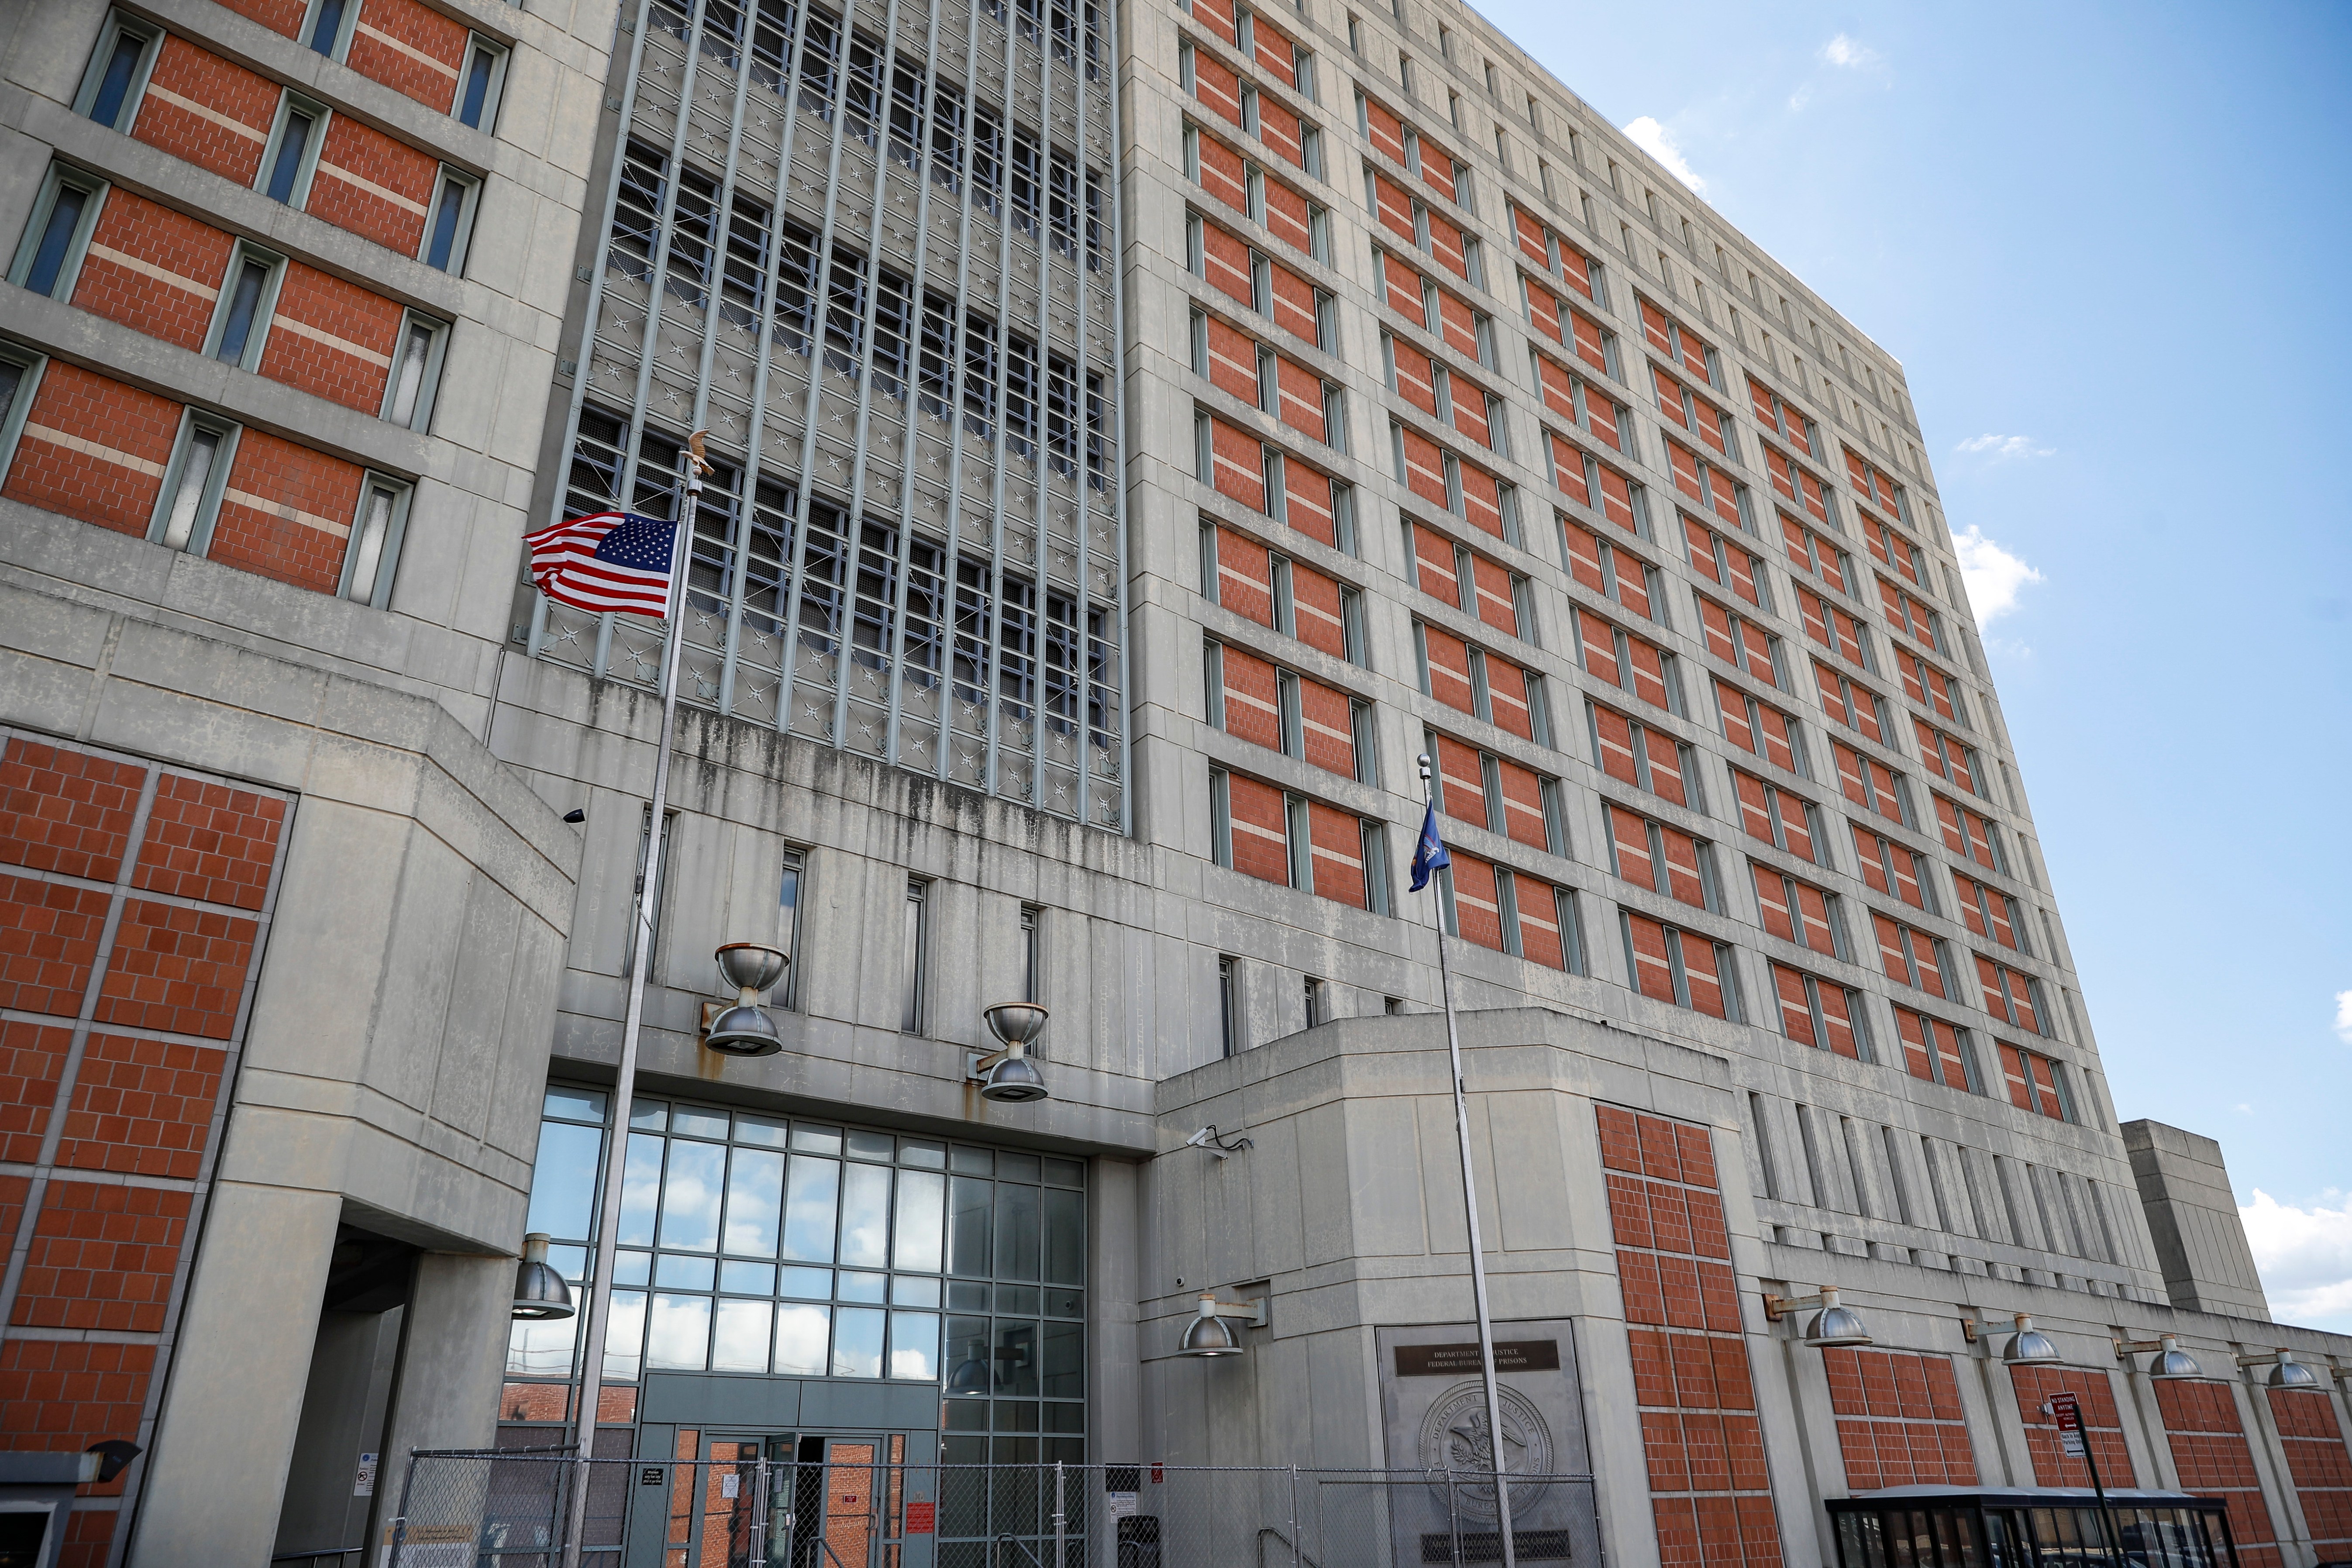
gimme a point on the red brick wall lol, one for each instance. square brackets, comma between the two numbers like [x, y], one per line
[1316, 613]
[286, 513]
[93, 449]
[278, 16]
[392, 212]
[1239, 463]
[1338, 846]
[390, 36]
[1899, 1421]
[1252, 713]
[133, 239]
[1245, 577]
[2209, 1450]
[1328, 722]
[1260, 829]
[1709, 1490]
[1478, 909]
[2316, 1458]
[2100, 1426]
[332, 338]
[1309, 504]
[102, 1256]
[1233, 361]
[230, 139]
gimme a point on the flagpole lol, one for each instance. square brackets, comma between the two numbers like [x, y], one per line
[1470, 1201]
[614, 1161]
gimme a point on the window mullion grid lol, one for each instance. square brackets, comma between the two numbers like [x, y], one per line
[958, 329]
[665, 229]
[799, 518]
[593, 311]
[820, 312]
[909, 435]
[1043, 236]
[992, 706]
[1081, 405]
[887, 69]
[748, 480]
[1115, 425]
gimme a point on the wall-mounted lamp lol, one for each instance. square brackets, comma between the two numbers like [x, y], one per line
[1833, 1326]
[1211, 1332]
[745, 1029]
[1009, 1076]
[2029, 1346]
[539, 1292]
[1217, 1144]
[2288, 1373]
[2171, 1360]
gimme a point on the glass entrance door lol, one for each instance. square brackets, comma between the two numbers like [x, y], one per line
[841, 1501]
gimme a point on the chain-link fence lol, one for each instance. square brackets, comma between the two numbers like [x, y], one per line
[768, 1506]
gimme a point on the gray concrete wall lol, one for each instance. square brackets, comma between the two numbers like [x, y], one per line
[2192, 1216]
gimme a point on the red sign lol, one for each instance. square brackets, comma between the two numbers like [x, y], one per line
[2068, 1411]
[920, 1517]
[1157, 1477]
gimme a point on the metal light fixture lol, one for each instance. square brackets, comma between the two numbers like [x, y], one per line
[1835, 1326]
[2171, 1361]
[2029, 1346]
[1009, 1076]
[745, 1029]
[1212, 1333]
[539, 1292]
[2288, 1373]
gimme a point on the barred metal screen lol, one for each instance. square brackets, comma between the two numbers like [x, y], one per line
[875, 254]
[508, 1511]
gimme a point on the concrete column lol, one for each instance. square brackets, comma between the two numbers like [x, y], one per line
[227, 1427]
[452, 1356]
[1115, 1378]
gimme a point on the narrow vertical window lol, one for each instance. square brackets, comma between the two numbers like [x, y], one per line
[788, 924]
[918, 922]
[118, 70]
[325, 32]
[1229, 1003]
[192, 485]
[19, 373]
[415, 375]
[453, 218]
[1313, 1000]
[478, 95]
[1031, 917]
[286, 172]
[373, 556]
[50, 256]
[243, 320]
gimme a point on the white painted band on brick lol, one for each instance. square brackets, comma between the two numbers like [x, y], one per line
[92, 449]
[371, 188]
[341, 345]
[290, 513]
[411, 51]
[206, 111]
[148, 269]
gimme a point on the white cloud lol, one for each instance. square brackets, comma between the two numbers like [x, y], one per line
[2003, 449]
[2344, 1017]
[1993, 576]
[2305, 1256]
[1651, 138]
[1844, 51]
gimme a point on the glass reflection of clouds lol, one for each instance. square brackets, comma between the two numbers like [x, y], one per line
[755, 1245]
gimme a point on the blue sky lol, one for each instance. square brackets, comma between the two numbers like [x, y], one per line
[2109, 245]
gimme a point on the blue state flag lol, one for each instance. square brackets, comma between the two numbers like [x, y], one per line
[1429, 855]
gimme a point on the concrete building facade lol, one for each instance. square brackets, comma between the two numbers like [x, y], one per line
[1142, 432]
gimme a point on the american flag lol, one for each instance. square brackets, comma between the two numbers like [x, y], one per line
[608, 561]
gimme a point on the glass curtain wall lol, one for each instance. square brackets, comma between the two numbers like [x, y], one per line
[872, 249]
[785, 1247]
